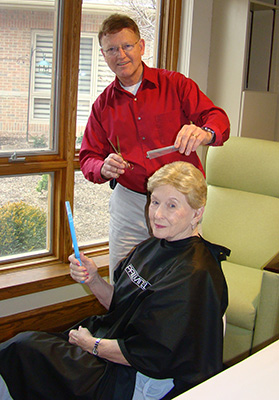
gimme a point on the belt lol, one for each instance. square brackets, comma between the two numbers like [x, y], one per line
[113, 183]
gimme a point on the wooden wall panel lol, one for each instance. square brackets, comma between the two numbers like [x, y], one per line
[53, 318]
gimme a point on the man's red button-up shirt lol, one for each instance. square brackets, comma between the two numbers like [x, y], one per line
[165, 101]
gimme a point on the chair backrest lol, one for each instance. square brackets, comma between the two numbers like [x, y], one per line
[242, 210]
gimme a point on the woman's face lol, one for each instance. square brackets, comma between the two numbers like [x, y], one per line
[170, 215]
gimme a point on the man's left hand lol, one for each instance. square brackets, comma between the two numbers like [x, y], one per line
[190, 137]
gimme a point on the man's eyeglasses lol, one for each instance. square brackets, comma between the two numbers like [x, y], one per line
[112, 51]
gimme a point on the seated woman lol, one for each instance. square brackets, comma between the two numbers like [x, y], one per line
[163, 332]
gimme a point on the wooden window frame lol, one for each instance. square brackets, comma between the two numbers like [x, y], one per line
[45, 273]
[169, 33]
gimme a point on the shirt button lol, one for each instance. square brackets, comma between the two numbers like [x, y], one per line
[135, 99]
[139, 118]
[143, 138]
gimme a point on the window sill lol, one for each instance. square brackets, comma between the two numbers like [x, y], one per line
[32, 279]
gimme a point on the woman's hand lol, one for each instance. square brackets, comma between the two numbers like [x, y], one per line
[82, 337]
[88, 273]
[84, 273]
[108, 348]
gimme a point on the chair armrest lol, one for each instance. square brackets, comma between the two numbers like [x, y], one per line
[267, 320]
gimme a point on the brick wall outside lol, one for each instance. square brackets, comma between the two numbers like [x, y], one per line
[15, 32]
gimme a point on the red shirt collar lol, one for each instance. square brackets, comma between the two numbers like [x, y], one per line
[149, 75]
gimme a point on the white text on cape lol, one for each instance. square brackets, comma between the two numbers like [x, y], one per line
[135, 278]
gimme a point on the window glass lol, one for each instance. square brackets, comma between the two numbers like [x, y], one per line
[25, 215]
[94, 76]
[87, 73]
[91, 215]
[28, 134]
[26, 78]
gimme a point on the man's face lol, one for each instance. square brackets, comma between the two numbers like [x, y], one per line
[127, 65]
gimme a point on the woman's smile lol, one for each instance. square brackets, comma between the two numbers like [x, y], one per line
[159, 226]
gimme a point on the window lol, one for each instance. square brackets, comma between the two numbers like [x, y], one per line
[41, 67]
[45, 98]
[94, 75]
[25, 215]
[30, 163]
[91, 210]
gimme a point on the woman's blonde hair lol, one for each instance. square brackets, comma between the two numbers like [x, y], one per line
[185, 178]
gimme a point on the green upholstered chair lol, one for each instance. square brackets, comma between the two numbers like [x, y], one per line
[242, 213]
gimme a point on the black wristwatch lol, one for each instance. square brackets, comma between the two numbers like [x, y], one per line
[213, 138]
[95, 347]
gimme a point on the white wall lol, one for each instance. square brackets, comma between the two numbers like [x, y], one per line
[194, 49]
[227, 57]
[195, 40]
[227, 71]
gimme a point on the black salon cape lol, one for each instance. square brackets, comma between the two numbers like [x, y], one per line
[166, 313]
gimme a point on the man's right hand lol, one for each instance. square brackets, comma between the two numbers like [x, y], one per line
[113, 167]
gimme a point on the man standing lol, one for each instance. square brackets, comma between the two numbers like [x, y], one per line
[143, 109]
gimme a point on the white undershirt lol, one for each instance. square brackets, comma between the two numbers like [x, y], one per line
[132, 89]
